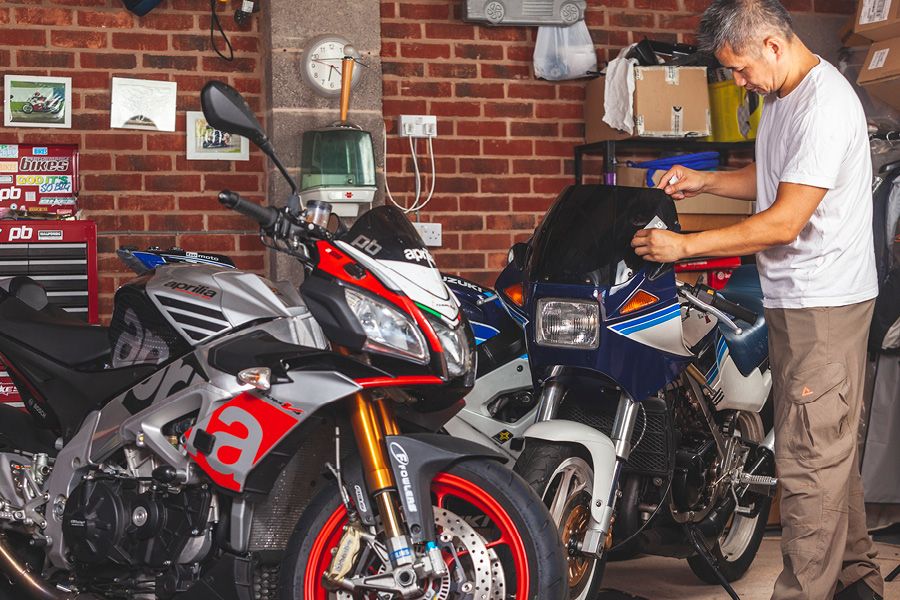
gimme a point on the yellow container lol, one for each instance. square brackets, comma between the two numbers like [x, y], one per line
[734, 112]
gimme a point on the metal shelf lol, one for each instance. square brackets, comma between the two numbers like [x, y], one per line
[608, 149]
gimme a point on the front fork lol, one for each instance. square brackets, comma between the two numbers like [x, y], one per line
[615, 450]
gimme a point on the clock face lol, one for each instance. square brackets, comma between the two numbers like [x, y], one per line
[322, 65]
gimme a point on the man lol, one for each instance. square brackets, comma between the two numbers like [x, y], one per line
[812, 235]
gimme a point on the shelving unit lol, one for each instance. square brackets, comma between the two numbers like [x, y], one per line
[609, 148]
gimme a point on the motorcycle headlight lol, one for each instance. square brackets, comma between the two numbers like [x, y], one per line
[568, 323]
[388, 330]
[458, 351]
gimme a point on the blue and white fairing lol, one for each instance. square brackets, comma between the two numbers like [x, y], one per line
[582, 251]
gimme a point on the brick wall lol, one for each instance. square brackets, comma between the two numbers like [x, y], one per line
[137, 185]
[505, 139]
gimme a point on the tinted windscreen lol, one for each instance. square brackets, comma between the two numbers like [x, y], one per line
[389, 229]
[587, 233]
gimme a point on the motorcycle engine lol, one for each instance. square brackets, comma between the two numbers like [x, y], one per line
[692, 483]
[109, 519]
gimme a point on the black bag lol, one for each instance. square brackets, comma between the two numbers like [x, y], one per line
[141, 7]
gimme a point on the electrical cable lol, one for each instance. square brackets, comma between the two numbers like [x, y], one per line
[417, 207]
[418, 204]
[412, 149]
[214, 22]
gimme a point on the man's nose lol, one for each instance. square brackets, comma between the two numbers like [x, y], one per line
[739, 79]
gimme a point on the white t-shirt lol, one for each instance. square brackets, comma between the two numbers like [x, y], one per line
[817, 136]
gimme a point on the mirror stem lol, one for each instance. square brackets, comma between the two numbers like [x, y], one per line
[267, 148]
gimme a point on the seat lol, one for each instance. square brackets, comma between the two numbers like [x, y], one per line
[49, 330]
[750, 348]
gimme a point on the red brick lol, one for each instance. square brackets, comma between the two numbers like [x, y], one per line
[172, 183]
[532, 204]
[143, 162]
[87, 80]
[798, 5]
[425, 50]
[388, 10]
[169, 22]
[571, 92]
[481, 128]
[697, 6]
[169, 62]
[478, 51]
[212, 64]
[428, 89]
[183, 165]
[559, 111]
[485, 241]
[4, 16]
[546, 166]
[835, 6]
[247, 85]
[108, 61]
[517, 109]
[479, 90]
[551, 185]
[507, 147]
[243, 183]
[459, 260]
[657, 4]
[685, 22]
[174, 222]
[455, 109]
[90, 121]
[251, 262]
[547, 148]
[506, 72]
[78, 39]
[139, 41]
[32, 58]
[389, 49]
[421, 12]
[43, 16]
[573, 130]
[58, 138]
[510, 221]
[80, 2]
[452, 71]
[401, 31]
[402, 69]
[630, 20]
[111, 183]
[166, 141]
[150, 202]
[454, 31]
[114, 141]
[93, 201]
[506, 185]
[5, 57]
[503, 34]
[94, 162]
[190, 83]
[484, 166]
[207, 242]
[537, 90]
[484, 203]
[229, 222]
[118, 19]
[520, 54]
[533, 129]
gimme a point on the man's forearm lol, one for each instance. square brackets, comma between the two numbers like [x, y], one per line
[740, 184]
[754, 234]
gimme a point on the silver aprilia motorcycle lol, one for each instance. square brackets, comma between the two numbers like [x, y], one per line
[173, 454]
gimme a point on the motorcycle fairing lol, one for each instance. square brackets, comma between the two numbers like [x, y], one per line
[660, 329]
[230, 442]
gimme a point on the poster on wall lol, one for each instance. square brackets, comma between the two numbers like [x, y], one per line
[143, 104]
[38, 181]
[205, 142]
[35, 101]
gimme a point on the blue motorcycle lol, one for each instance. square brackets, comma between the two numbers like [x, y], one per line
[648, 435]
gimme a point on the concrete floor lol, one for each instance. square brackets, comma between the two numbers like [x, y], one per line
[656, 578]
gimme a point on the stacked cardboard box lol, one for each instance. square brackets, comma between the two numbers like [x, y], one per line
[879, 21]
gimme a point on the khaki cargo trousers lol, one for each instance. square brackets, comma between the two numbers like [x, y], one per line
[818, 358]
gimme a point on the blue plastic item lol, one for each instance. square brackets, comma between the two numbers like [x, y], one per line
[140, 7]
[699, 161]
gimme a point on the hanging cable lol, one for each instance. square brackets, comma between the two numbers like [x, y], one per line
[416, 205]
[214, 24]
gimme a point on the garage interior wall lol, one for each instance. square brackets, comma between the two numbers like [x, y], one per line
[503, 152]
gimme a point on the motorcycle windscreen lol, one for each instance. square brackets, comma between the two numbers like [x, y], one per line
[385, 241]
[587, 233]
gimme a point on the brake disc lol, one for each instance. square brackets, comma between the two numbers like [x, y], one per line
[485, 578]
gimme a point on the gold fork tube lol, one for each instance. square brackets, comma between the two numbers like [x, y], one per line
[364, 418]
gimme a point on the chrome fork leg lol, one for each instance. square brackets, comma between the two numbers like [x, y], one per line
[551, 395]
[623, 426]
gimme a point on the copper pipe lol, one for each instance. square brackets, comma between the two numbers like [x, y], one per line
[346, 80]
[387, 417]
[370, 440]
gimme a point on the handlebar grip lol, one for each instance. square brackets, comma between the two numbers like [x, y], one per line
[266, 216]
[744, 314]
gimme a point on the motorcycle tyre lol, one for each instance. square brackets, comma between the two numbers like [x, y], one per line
[547, 581]
[538, 461]
[27, 108]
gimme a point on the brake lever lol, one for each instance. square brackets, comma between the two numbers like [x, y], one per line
[703, 306]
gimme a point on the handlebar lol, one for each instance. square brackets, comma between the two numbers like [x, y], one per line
[709, 297]
[266, 216]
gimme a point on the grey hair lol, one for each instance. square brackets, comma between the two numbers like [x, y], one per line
[739, 23]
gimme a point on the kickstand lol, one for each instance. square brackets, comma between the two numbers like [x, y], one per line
[696, 539]
[893, 574]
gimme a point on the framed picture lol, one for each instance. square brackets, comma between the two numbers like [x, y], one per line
[143, 104]
[35, 101]
[205, 142]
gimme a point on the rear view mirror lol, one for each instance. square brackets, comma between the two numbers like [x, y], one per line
[518, 255]
[226, 110]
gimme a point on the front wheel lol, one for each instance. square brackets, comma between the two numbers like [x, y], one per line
[27, 108]
[563, 477]
[496, 538]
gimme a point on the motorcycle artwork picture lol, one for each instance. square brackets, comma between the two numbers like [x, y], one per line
[647, 433]
[36, 101]
[179, 452]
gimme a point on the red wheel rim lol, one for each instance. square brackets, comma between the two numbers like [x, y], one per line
[443, 486]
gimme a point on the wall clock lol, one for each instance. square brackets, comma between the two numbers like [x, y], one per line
[321, 64]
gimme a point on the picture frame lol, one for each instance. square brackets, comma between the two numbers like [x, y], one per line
[143, 104]
[205, 142]
[37, 101]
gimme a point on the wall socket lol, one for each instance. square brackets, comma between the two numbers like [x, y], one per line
[430, 232]
[421, 126]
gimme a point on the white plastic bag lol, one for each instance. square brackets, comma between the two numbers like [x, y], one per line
[564, 52]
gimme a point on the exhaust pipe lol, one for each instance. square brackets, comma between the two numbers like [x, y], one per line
[33, 585]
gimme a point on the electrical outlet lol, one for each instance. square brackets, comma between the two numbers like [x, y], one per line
[420, 126]
[430, 232]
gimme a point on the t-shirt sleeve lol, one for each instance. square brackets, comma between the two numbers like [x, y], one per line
[816, 148]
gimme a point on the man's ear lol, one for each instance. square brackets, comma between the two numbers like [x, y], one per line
[774, 46]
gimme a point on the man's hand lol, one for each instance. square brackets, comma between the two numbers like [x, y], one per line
[687, 182]
[659, 245]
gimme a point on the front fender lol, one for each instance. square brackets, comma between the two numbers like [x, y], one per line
[415, 460]
[603, 457]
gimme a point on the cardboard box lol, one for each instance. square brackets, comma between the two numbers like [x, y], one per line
[668, 102]
[880, 73]
[877, 20]
[701, 204]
